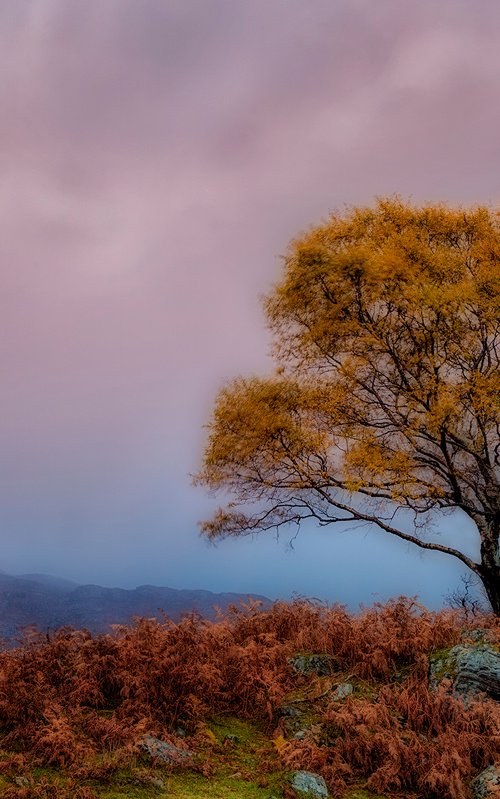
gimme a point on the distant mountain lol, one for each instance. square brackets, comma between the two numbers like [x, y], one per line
[51, 602]
[49, 579]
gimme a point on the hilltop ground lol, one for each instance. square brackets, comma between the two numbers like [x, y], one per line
[241, 704]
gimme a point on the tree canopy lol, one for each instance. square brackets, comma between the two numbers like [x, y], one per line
[386, 395]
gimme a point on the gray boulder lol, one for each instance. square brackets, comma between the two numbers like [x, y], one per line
[161, 750]
[309, 783]
[472, 669]
[487, 784]
[342, 691]
[319, 664]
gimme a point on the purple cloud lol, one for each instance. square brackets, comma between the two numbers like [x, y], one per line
[156, 158]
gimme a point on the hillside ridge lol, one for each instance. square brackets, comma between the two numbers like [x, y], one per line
[49, 603]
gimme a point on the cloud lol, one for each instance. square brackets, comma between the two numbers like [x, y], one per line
[156, 158]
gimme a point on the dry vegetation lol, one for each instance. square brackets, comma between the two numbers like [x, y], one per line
[80, 703]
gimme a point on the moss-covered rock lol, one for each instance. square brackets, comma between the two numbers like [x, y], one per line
[313, 663]
[472, 669]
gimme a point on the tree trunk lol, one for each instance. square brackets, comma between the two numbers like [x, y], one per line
[489, 569]
[490, 579]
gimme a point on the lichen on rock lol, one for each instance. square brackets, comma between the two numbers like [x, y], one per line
[472, 670]
[308, 783]
[487, 784]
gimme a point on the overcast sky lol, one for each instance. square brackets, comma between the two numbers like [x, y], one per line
[156, 158]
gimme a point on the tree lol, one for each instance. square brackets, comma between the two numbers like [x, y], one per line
[386, 396]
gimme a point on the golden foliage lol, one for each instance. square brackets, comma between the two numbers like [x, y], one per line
[387, 390]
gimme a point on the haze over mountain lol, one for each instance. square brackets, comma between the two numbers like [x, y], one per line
[51, 602]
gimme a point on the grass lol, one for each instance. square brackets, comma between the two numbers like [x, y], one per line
[236, 749]
[194, 786]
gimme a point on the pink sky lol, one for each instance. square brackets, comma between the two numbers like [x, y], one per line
[156, 158]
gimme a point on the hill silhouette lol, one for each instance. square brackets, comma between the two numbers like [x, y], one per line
[51, 602]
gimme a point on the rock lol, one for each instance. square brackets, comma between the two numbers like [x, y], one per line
[472, 669]
[290, 711]
[22, 782]
[164, 751]
[321, 665]
[342, 691]
[307, 782]
[487, 784]
[290, 719]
